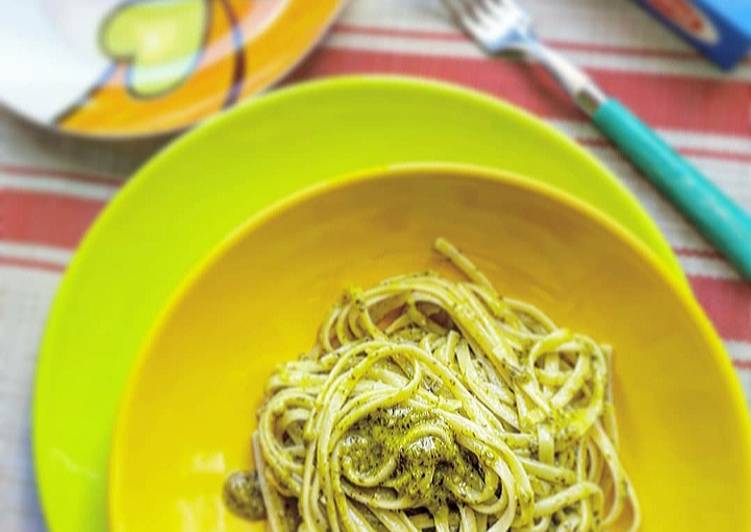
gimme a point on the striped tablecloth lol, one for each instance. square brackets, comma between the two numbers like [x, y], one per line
[52, 188]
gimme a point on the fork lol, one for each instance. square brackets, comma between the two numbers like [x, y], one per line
[500, 26]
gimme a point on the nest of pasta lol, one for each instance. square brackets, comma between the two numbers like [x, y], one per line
[433, 404]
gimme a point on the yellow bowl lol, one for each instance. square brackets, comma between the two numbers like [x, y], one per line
[188, 412]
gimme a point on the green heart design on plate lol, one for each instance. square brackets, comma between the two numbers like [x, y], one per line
[159, 38]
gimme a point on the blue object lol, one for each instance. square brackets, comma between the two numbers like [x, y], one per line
[718, 218]
[720, 29]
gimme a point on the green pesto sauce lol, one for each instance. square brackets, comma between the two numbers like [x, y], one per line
[428, 467]
[242, 495]
[290, 515]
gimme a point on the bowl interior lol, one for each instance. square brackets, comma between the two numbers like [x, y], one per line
[188, 413]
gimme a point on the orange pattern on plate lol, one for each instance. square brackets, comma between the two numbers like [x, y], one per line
[247, 48]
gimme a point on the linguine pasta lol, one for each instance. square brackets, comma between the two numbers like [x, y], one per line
[430, 404]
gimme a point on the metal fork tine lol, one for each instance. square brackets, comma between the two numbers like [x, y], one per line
[469, 8]
[498, 25]
[466, 13]
[483, 9]
[491, 6]
[481, 13]
[457, 10]
[452, 8]
[506, 4]
[501, 8]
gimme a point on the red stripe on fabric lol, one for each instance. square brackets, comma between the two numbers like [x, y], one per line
[45, 218]
[624, 50]
[742, 364]
[32, 264]
[56, 267]
[437, 35]
[61, 221]
[716, 154]
[688, 152]
[727, 303]
[38, 171]
[59, 213]
[358, 29]
[704, 253]
[717, 106]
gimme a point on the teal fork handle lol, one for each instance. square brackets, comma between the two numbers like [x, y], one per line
[720, 219]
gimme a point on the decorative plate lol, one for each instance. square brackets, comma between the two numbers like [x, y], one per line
[126, 68]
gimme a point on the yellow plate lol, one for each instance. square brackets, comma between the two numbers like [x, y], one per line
[188, 411]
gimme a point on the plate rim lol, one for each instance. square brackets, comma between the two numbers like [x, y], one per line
[89, 244]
